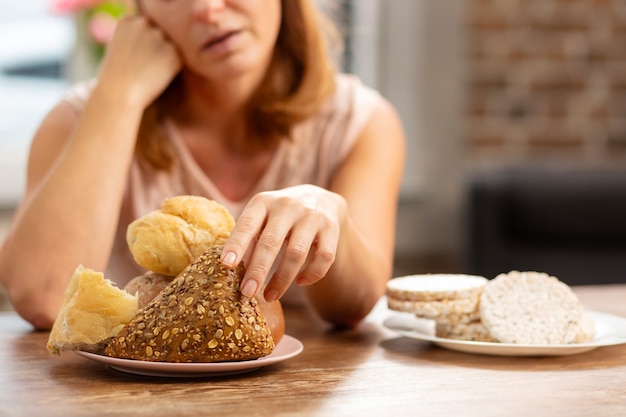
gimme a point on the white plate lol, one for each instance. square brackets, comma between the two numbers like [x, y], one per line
[610, 330]
[288, 347]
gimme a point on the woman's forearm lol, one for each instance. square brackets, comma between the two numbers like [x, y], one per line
[354, 283]
[70, 215]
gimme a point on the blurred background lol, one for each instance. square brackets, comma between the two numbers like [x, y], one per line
[514, 110]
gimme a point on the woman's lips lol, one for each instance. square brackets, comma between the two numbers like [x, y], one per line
[224, 42]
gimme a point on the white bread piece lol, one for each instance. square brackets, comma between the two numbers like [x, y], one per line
[531, 308]
[93, 311]
[435, 287]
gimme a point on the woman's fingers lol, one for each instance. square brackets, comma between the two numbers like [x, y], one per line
[266, 251]
[245, 232]
[323, 256]
[294, 257]
[302, 223]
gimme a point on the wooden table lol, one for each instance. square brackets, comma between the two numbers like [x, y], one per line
[368, 371]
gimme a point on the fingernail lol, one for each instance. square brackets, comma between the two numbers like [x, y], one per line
[229, 259]
[249, 288]
[271, 295]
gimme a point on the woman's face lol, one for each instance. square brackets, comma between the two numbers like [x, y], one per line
[218, 39]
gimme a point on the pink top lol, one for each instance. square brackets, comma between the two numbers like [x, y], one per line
[319, 145]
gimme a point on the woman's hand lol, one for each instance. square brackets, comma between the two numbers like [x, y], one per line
[140, 62]
[303, 220]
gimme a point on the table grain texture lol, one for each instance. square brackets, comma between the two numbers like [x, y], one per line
[367, 371]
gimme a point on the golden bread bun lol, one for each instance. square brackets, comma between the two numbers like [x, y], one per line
[274, 316]
[93, 311]
[201, 316]
[167, 240]
[147, 286]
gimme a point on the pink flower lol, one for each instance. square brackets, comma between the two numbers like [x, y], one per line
[71, 6]
[101, 27]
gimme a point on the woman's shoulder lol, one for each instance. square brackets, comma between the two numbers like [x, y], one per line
[334, 130]
[348, 109]
[351, 94]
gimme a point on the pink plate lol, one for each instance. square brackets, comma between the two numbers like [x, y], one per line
[288, 347]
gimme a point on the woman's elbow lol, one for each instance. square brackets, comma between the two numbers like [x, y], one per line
[34, 307]
[348, 315]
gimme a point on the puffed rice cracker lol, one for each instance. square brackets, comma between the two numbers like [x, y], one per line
[531, 308]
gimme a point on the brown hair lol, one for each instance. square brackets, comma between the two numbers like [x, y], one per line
[300, 78]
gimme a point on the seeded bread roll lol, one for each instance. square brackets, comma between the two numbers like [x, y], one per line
[93, 311]
[532, 308]
[165, 241]
[201, 316]
[150, 284]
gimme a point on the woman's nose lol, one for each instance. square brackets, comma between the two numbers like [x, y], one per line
[208, 10]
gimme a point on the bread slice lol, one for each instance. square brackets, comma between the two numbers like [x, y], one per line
[201, 316]
[93, 311]
[532, 308]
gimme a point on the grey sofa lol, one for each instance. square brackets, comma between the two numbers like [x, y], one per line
[571, 224]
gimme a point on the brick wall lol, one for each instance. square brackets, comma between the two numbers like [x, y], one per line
[547, 81]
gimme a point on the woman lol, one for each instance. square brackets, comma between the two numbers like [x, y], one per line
[235, 100]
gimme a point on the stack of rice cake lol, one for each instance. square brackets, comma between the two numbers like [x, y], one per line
[517, 307]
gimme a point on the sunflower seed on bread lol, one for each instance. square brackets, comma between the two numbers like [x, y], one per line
[201, 316]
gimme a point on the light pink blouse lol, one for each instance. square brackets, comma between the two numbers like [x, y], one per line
[319, 146]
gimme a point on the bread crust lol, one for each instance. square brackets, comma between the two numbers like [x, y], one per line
[201, 316]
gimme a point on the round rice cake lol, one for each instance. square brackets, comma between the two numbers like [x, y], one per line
[473, 331]
[587, 330]
[435, 287]
[531, 308]
[435, 309]
[464, 318]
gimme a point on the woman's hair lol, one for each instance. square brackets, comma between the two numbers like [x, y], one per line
[299, 79]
